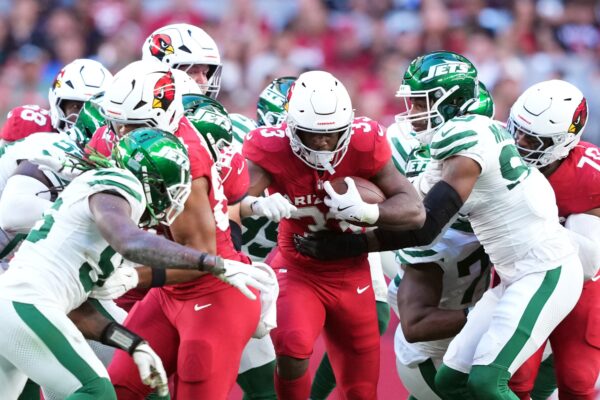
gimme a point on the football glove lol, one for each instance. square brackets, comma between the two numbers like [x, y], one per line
[274, 207]
[328, 245]
[123, 279]
[151, 368]
[63, 165]
[240, 276]
[428, 178]
[350, 206]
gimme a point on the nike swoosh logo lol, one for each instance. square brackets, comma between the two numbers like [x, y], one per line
[240, 169]
[448, 131]
[198, 308]
[361, 290]
[344, 208]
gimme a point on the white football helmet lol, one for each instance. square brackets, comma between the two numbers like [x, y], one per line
[182, 46]
[185, 83]
[79, 80]
[552, 115]
[318, 103]
[144, 93]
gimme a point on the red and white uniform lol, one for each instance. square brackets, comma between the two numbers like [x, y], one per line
[22, 121]
[198, 328]
[576, 340]
[337, 295]
[235, 176]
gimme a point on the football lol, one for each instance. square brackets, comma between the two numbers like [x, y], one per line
[369, 192]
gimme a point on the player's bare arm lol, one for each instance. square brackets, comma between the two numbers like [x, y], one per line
[419, 297]
[403, 209]
[442, 203]
[111, 213]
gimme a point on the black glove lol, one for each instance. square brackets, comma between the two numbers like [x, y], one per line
[328, 245]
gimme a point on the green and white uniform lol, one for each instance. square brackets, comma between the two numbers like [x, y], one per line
[43, 143]
[513, 213]
[458, 253]
[51, 274]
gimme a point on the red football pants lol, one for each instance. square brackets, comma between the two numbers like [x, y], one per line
[342, 304]
[201, 339]
[576, 349]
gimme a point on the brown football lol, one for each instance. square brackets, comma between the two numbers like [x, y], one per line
[369, 192]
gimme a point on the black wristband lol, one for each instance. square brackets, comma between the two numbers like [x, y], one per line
[159, 277]
[116, 335]
[201, 260]
[441, 203]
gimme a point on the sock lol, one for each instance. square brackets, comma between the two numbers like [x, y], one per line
[258, 383]
[295, 389]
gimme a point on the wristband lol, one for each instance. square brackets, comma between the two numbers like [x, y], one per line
[116, 335]
[159, 277]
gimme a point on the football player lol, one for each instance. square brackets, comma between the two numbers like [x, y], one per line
[321, 140]
[547, 122]
[476, 169]
[182, 315]
[190, 49]
[78, 244]
[436, 283]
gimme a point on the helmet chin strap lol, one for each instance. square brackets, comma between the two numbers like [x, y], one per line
[464, 109]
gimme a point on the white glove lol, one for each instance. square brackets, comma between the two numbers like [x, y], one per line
[122, 280]
[240, 276]
[275, 207]
[350, 206]
[268, 304]
[425, 181]
[151, 368]
[59, 163]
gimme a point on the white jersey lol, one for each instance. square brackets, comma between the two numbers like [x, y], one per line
[42, 143]
[64, 255]
[512, 207]
[466, 276]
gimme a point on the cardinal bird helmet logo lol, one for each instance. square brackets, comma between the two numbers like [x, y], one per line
[579, 117]
[161, 45]
[164, 91]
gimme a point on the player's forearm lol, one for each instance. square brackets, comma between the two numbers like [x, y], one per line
[89, 321]
[154, 251]
[431, 323]
[401, 212]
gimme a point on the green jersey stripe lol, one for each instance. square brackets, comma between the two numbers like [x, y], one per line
[454, 138]
[523, 331]
[443, 155]
[419, 253]
[397, 145]
[116, 174]
[125, 188]
[55, 341]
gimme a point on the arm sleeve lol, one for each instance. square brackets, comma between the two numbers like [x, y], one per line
[584, 229]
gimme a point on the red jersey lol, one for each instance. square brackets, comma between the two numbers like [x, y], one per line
[201, 165]
[24, 120]
[576, 182]
[234, 174]
[269, 148]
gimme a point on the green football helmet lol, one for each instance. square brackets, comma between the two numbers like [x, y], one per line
[192, 101]
[212, 122]
[485, 104]
[160, 161]
[89, 120]
[270, 109]
[442, 84]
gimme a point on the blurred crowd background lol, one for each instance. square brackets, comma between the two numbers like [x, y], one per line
[365, 43]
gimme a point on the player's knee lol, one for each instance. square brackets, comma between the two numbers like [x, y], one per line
[97, 389]
[361, 391]
[577, 383]
[449, 382]
[196, 360]
[488, 382]
[289, 368]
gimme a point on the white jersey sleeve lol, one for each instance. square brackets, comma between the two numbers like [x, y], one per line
[512, 206]
[64, 255]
